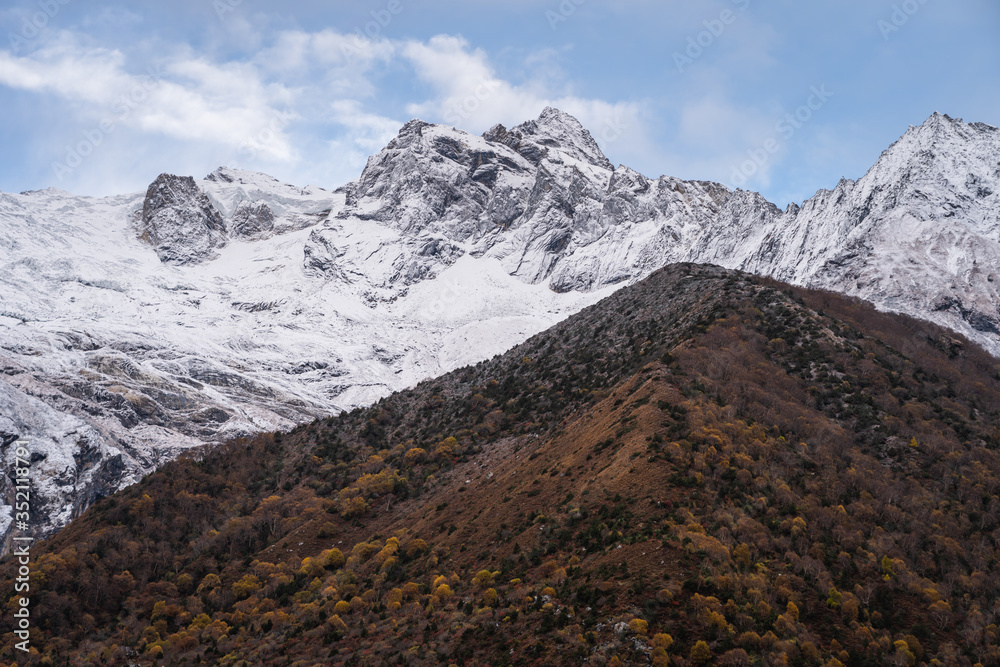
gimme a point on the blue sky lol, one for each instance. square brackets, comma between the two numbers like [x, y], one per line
[777, 96]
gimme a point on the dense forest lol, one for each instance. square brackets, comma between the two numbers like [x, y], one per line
[706, 468]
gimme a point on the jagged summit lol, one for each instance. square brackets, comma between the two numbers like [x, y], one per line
[944, 161]
[918, 233]
[941, 133]
[541, 198]
[938, 120]
[554, 132]
[224, 174]
[559, 130]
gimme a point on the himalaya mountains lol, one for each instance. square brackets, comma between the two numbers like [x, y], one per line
[136, 326]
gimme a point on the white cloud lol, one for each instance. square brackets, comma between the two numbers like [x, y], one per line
[368, 131]
[325, 69]
[472, 96]
[84, 74]
[188, 99]
[342, 63]
[309, 100]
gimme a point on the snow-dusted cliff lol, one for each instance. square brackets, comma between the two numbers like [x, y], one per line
[134, 327]
[541, 198]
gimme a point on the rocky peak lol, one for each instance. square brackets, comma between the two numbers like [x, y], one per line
[180, 222]
[940, 126]
[223, 175]
[431, 177]
[409, 135]
[626, 178]
[941, 134]
[242, 177]
[945, 160]
[538, 197]
[558, 132]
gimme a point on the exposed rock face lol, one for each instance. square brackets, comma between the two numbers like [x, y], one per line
[180, 222]
[439, 192]
[186, 222]
[643, 224]
[71, 465]
[252, 220]
[541, 198]
[320, 255]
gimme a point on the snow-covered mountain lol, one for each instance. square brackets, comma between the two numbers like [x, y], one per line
[137, 326]
[541, 198]
[918, 234]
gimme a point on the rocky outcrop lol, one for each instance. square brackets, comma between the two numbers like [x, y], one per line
[71, 463]
[180, 222]
[252, 220]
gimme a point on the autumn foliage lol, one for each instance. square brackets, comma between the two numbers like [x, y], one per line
[706, 468]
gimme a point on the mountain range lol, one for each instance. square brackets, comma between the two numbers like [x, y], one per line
[138, 326]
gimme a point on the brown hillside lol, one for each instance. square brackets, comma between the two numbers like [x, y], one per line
[705, 468]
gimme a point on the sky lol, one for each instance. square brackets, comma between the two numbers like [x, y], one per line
[776, 96]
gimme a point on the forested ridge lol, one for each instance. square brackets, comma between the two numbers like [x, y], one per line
[705, 468]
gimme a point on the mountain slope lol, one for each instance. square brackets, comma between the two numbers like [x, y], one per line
[151, 343]
[236, 304]
[919, 233]
[703, 465]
